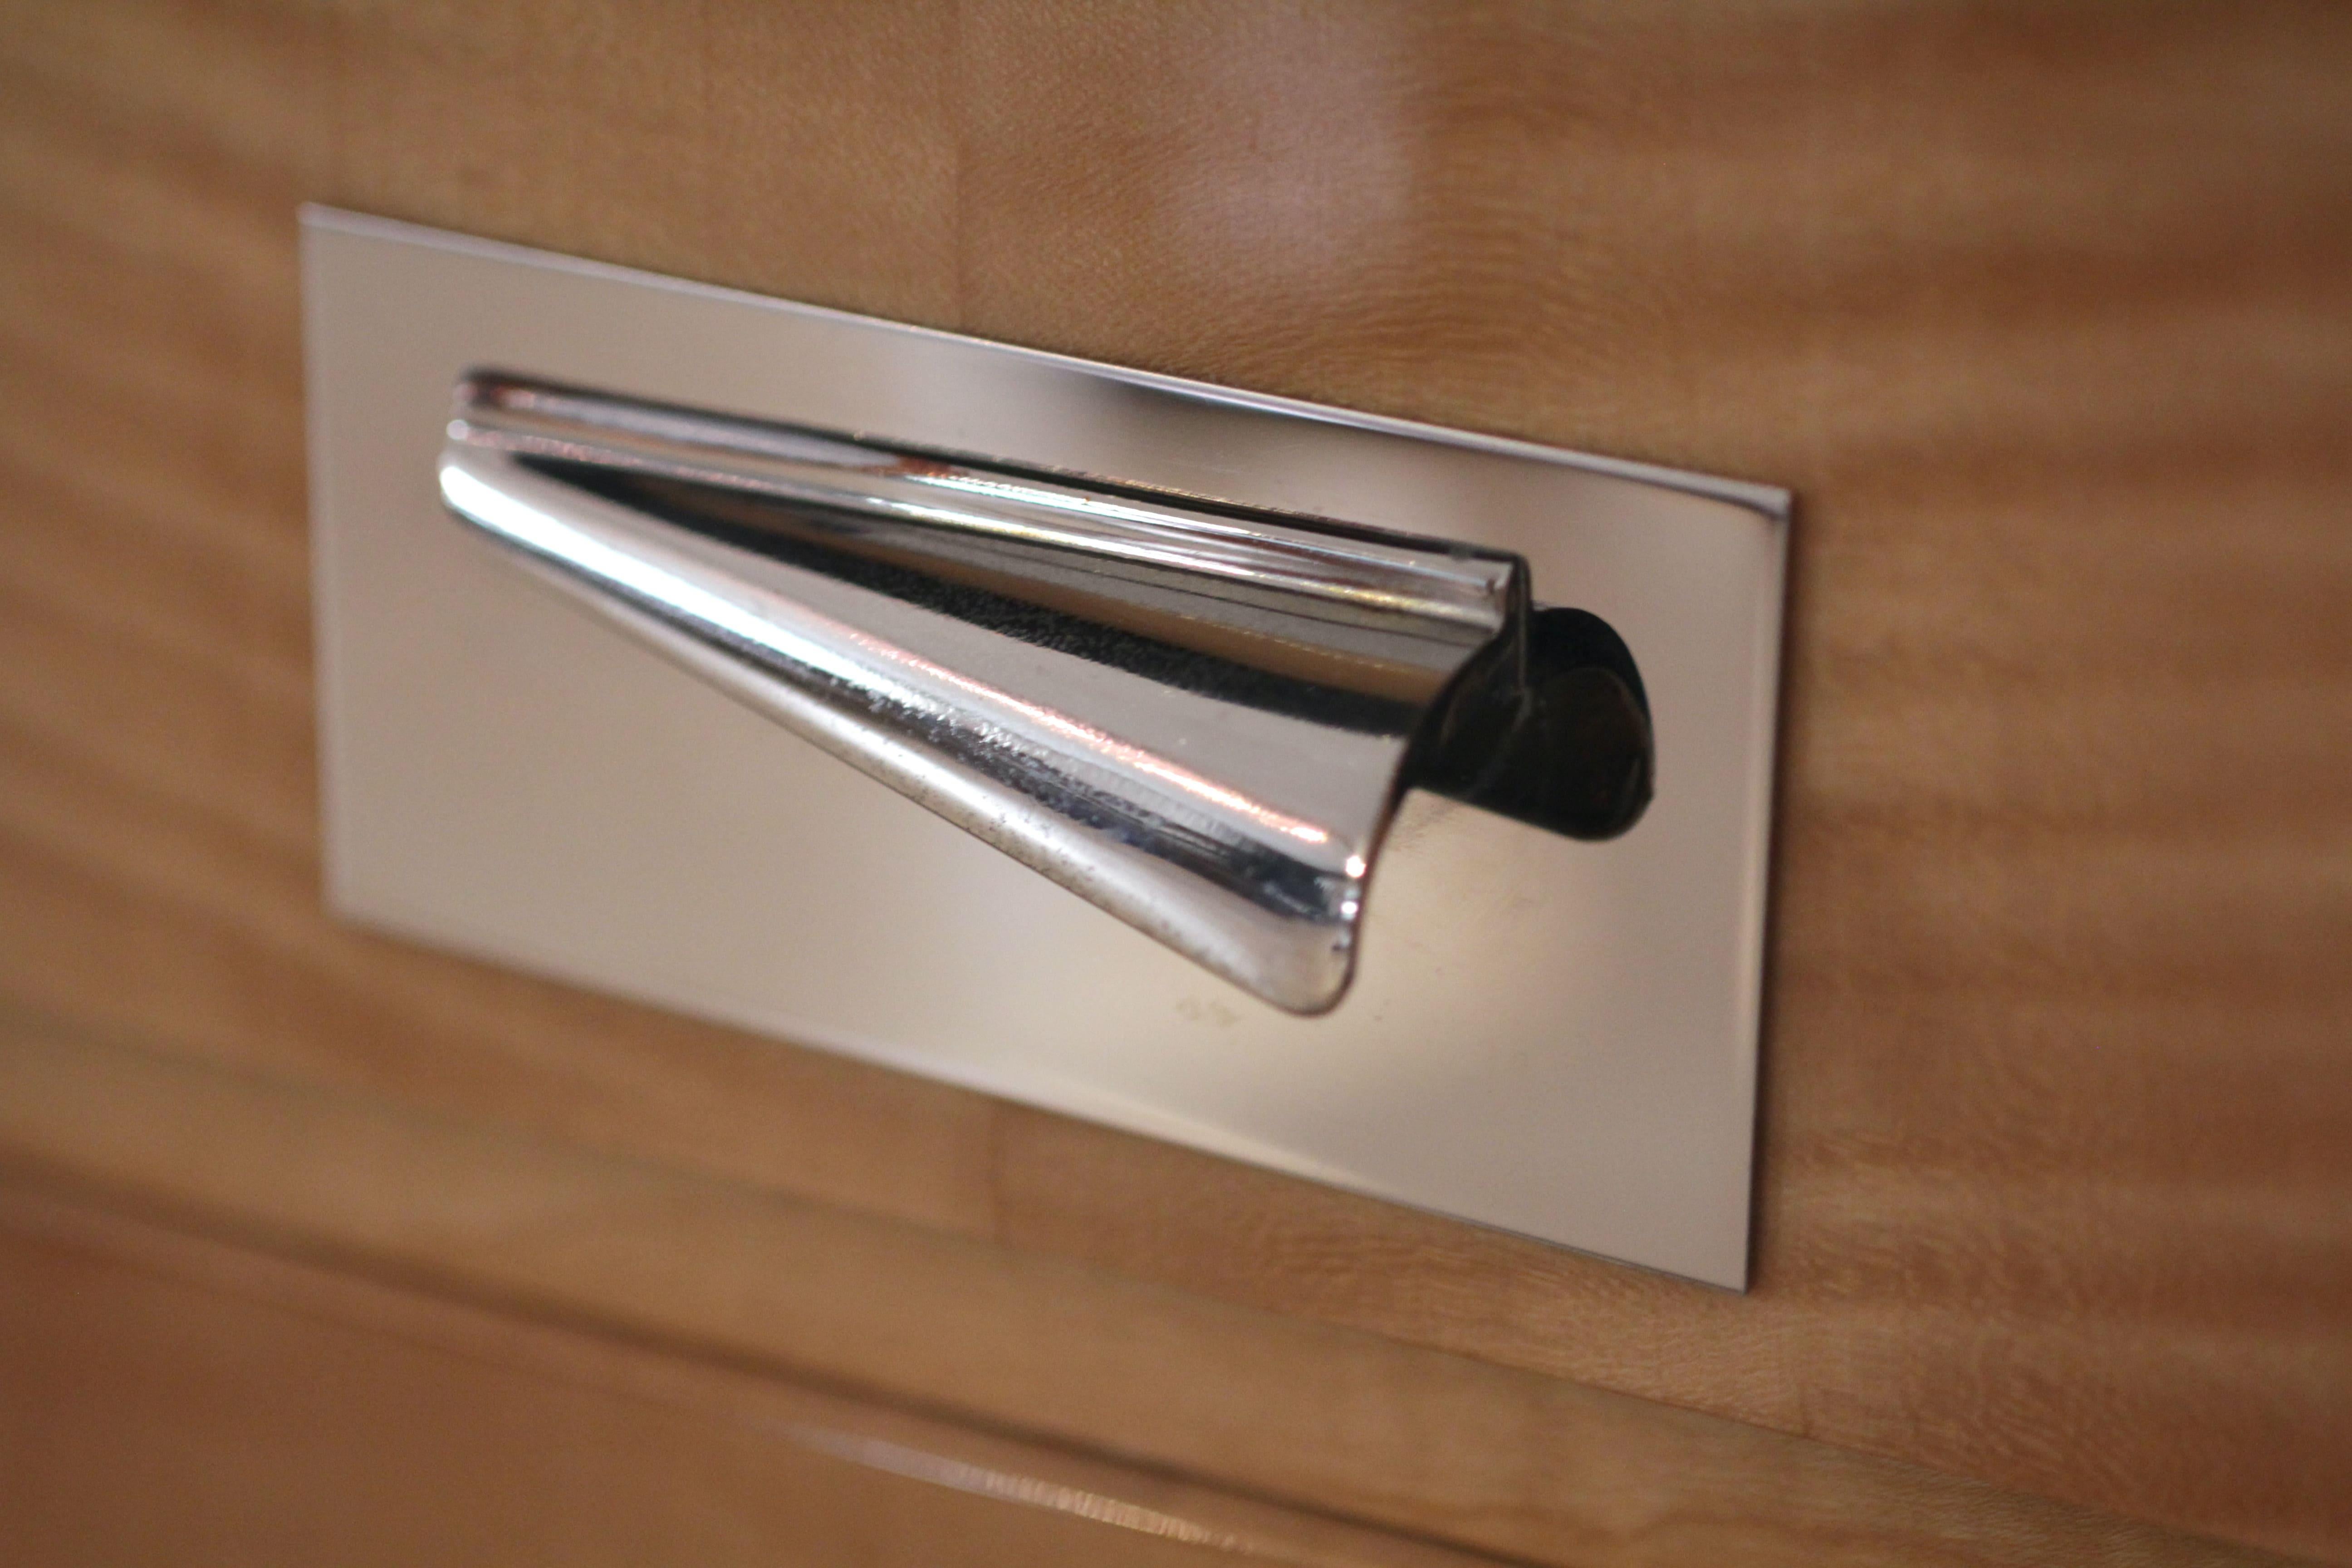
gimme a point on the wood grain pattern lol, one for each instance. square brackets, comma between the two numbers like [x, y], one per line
[700, 1271]
[273, 1412]
[2046, 313]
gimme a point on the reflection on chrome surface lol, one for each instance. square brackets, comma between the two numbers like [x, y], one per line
[1199, 717]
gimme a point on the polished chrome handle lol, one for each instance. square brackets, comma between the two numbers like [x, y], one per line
[1198, 717]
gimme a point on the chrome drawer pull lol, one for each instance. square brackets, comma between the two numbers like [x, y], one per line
[1198, 717]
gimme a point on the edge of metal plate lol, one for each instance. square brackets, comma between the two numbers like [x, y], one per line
[1549, 1038]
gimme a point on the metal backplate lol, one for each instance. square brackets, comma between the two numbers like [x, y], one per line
[1551, 1036]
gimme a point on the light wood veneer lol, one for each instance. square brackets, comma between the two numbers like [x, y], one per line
[2044, 312]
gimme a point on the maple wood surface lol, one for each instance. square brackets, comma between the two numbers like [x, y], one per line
[2045, 312]
[275, 1411]
[349, 1210]
[246, 1411]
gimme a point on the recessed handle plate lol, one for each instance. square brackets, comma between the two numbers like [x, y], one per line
[1401, 794]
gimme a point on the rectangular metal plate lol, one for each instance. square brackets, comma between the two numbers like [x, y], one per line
[1553, 1038]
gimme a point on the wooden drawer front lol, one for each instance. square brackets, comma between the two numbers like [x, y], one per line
[2045, 313]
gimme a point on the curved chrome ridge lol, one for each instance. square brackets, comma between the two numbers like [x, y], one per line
[1198, 718]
